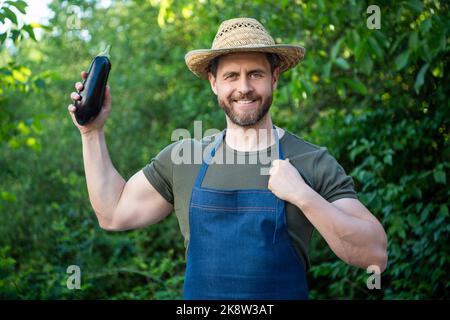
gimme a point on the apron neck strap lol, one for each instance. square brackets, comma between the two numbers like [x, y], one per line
[277, 143]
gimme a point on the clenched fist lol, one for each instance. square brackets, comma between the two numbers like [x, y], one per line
[285, 181]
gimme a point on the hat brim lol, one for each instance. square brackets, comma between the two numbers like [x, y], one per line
[198, 60]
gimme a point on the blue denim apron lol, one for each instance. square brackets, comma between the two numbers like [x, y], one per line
[239, 246]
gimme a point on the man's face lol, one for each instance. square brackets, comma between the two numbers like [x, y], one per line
[244, 86]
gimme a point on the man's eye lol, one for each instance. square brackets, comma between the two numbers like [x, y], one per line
[256, 75]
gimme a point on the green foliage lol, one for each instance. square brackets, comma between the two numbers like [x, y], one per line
[378, 99]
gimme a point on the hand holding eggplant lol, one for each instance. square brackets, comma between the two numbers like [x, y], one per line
[92, 101]
[99, 121]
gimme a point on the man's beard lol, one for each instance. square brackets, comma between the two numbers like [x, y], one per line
[248, 118]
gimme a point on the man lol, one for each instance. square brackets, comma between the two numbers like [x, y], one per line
[246, 230]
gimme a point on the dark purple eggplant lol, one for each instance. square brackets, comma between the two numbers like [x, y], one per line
[90, 104]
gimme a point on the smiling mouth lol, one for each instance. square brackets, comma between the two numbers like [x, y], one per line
[244, 102]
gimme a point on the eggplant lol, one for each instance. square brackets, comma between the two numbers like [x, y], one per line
[90, 104]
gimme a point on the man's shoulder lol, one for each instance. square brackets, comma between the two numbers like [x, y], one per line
[297, 146]
[313, 160]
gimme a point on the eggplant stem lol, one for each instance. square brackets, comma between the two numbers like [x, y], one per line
[105, 52]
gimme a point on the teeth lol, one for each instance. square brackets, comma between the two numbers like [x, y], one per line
[245, 101]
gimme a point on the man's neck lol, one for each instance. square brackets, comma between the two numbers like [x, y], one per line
[251, 138]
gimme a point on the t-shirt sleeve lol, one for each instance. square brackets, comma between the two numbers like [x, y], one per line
[331, 181]
[159, 173]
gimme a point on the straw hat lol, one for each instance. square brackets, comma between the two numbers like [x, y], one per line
[242, 34]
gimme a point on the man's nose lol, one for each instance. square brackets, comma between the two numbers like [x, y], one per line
[244, 85]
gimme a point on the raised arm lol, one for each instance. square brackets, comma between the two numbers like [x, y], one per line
[118, 204]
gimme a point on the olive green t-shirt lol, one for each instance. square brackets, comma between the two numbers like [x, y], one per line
[173, 171]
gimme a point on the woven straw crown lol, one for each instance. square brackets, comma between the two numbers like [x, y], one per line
[242, 35]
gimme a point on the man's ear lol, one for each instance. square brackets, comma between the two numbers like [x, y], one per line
[276, 73]
[212, 82]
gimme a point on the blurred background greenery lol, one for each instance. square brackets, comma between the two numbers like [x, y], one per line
[378, 99]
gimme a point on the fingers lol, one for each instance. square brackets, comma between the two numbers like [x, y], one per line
[276, 164]
[75, 96]
[79, 86]
[71, 108]
[273, 166]
[279, 161]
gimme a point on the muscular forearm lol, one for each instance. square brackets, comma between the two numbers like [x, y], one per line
[357, 241]
[104, 183]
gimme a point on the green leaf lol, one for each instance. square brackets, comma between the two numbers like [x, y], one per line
[440, 177]
[355, 38]
[425, 213]
[306, 86]
[425, 52]
[401, 60]
[382, 40]
[340, 88]
[388, 159]
[417, 192]
[367, 65]
[425, 26]
[357, 85]
[357, 150]
[386, 210]
[415, 5]
[336, 48]
[15, 35]
[10, 14]
[3, 37]
[39, 83]
[420, 77]
[19, 4]
[360, 50]
[8, 196]
[443, 212]
[30, 31]
[326, 69]
[412, 220]
[342, 63]
[375, 47]
[413, 40]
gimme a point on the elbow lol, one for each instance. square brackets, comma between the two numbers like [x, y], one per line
[383, 258]
[380, 257]
[376, 262]
[108, 225]
[375, 259]
[380, 260]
